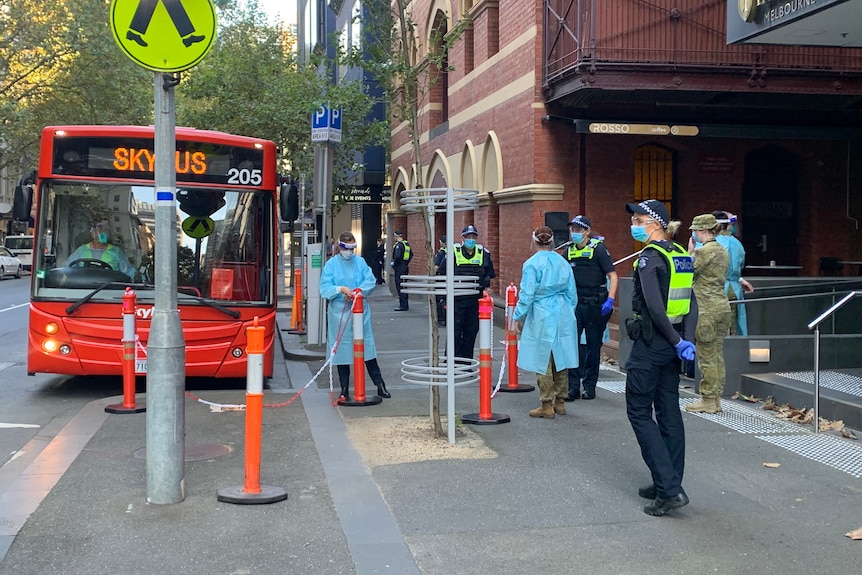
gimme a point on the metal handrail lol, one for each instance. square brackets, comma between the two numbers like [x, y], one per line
[815, 325]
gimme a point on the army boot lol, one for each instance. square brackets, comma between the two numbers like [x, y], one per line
[560, 406]
[546, 410]
[704, 405]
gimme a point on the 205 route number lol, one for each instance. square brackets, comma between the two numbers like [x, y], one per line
[244, 177]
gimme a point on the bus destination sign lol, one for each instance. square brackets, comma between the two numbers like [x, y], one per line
[133, 158]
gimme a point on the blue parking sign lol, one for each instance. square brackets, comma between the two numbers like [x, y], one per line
[320, 124]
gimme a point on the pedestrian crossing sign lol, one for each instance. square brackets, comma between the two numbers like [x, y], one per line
[164, 35]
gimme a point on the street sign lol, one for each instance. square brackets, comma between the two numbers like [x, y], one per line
[170, 39]
[197, 227]
[326, 124]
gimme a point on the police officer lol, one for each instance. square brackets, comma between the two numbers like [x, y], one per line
[660, 301]
[439, 258]
[401, 256]
[471, 259]
[594, 270]
[714, 317]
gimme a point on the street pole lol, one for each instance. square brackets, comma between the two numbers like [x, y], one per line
[165, 348]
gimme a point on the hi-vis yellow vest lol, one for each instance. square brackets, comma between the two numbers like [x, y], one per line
[681, 266]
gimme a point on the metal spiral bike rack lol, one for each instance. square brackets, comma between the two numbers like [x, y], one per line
[460, 371]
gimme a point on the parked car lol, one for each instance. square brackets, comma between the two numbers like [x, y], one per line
[22, 247]
[9, 264]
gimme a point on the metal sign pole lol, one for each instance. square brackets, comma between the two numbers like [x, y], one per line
[166, 347]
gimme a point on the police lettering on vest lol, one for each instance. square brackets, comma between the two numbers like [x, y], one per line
[681, 266]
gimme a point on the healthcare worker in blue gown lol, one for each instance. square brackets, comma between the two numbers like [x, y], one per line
[342, 274]
[735, 286]
[545, 318]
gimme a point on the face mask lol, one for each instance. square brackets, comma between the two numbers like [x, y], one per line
[639, 233]
[732, 229]
[103, 238]
[469, 244]
[577, 237]
[346, 254]
[697, 243]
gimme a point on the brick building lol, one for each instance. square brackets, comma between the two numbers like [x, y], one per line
[562, 107]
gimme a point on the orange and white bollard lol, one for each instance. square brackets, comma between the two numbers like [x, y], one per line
[359, 397]
[512, 345]
[296, 311]
[485, 415]
[253, 492]
[128, 405]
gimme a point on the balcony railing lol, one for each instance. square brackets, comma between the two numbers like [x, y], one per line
[678, 33]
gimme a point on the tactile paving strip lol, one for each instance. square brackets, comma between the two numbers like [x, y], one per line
[832, 451]
[612, 386]
[836, 380]
[744, 419]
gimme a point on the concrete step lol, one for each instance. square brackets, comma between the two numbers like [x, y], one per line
[840, 392]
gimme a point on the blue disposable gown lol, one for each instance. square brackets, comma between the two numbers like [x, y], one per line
[546, 305]
[353, 273]
[734, 272]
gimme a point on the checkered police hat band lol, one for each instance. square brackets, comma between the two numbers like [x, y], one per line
[653, 214]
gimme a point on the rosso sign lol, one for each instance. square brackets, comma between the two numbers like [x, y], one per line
[609, 128]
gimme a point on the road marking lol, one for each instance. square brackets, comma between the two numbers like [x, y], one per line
[22, 425]
[11, 307]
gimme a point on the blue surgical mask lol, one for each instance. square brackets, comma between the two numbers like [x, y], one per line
[732, 229]
[103, 238]
[348, 255]
[639, 233]
[577, 237]
[469, 244]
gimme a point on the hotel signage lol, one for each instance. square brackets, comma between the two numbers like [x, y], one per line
[747, 19]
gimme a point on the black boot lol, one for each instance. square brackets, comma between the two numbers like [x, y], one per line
[377, 378]
[381, 390]
[344, 379]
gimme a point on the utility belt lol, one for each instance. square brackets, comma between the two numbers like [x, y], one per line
[641, 327]
[593, 298]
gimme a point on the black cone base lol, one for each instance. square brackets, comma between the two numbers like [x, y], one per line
[268, 494]
[522, 388]
[118, 408]
[496, 418]
[369, 400]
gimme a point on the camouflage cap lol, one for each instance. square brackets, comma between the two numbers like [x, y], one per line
[703, 222]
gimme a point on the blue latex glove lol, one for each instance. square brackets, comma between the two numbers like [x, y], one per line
[685, 350]
[392, 264]
[608, 306]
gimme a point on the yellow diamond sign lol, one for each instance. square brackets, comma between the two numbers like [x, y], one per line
[164, 35]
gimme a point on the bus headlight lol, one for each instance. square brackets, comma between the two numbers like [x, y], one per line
[49, 345]
[65, 349]
[52, 328]
[237, 352]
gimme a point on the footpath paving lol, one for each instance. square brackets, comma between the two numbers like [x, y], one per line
[556, 496]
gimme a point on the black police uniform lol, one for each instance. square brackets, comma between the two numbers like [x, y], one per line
[401, 266]
[467, 306]
[439, 258]
[652, 374]
[591, 265]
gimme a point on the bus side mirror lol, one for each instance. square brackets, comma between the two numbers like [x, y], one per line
[22, 200]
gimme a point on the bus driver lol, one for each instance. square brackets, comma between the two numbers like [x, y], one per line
[99, 249]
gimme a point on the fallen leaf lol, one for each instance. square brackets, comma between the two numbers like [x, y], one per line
[769, 404]
[855, 534]
[772, 465]
[848, 434]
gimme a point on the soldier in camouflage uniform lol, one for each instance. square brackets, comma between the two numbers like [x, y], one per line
[714, 315]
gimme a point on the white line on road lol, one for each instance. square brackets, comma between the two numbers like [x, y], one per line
[23, 425]
[11, 307]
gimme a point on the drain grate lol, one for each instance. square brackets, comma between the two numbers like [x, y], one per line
[612, 386]
[836, 380]
[832, 451]
[744, 419]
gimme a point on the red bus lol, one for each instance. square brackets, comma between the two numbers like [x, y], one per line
[94, 209]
